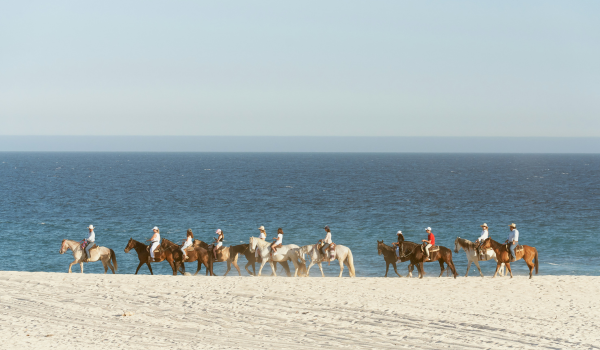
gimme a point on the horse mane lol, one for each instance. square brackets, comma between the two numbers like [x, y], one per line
[467, 243]
[168, 242]
[387, 247]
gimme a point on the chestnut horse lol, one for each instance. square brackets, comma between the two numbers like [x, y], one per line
[228, 254]
[144, 255]
[412, 251]
[389, 255]
[529, 254]
[196, 254]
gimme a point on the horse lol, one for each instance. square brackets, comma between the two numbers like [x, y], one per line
[342, 253]
[227, 254]
[253, 259]
[471, 251]
[196, 254]
[97, 253]
[284, 253]
[417, 257]
[529, 254]
[144, 255]
[389, 255]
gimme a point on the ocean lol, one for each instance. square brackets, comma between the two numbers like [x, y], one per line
[363, 197]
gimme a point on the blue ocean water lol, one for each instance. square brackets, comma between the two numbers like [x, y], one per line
[45, 197]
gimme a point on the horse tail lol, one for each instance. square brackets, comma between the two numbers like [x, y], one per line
[536, 261]
[350, 261]
[113, 257]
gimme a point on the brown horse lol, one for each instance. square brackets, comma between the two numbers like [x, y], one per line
[413, 252]
[252, 260]
[198, 254]
[389, 255]
[224, 254]
[144, 255]
[529, 254]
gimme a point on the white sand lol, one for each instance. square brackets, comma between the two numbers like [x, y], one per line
[61, 311]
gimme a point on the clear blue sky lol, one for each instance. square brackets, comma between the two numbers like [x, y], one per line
[313, 68]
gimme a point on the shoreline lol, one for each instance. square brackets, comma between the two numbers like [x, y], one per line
[45, 310]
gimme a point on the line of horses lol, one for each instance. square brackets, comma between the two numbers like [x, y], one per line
[258, 251]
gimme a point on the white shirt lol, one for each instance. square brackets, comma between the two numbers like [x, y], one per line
[484, 236]
[189, 240]
[91, 236]
[263, 235]
[327, 239]
[279, 238]
[157, 238]
[513, 235]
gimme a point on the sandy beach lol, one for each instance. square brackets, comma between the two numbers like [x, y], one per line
[59, 311]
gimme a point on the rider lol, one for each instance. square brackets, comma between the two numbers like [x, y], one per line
[155, 241]
[263, 236]
[188, 242]
[326, 241]
[90, 242]
[397, 244]
[513, 240]
[483, 237]
[218, 241]
[278, 242]
[429, 242]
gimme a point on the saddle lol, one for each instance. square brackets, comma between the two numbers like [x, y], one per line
[189, 249]
[433, 249]
[157, 250]
[84, 245]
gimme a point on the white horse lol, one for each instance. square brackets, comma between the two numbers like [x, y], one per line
[342, 253]
[471, 251]
[283, 253]
[97, 253]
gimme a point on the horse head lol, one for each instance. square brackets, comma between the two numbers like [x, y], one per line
[379, 245]
[130, 245]
[486, 244]
[63, 249]
[253, 242]
[456, 245]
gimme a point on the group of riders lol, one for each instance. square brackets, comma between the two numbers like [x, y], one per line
[324, 243]
[512, 241]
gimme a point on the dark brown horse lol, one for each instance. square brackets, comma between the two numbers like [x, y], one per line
[224, 254]
[389, 255]
[252, 260]
[417, 257]
[198, 254]
[144, 255]
[529, 254]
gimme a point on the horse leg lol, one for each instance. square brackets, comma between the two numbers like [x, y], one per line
[321, 268]
[138, 268]
[420, 268]
[308, 268]
[228, 267]
[498, 264]
[246, 267]
[71, 264]
[105, 266]
[341, 267]
[530, 265]
[441, 268]
[81, 265]
[387, 267]
[150, 268]
[469, 266]
[395, 270]
[410, 270]
[237, 267]
[262, 264]
[273, 268]
[478, 268]
[509, 269]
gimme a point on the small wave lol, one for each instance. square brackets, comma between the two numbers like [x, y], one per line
[552, 264]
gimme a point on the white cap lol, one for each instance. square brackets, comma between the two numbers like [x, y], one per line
[218, 230]
[155, 228]
[91, 226]
[428, 229]
[399, 232]
[262, 228]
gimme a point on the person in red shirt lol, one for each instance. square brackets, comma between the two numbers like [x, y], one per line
[429, 242]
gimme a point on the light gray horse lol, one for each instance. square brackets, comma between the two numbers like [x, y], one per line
[471, 251]
[342, 253]
[97, 253]
[284, 253]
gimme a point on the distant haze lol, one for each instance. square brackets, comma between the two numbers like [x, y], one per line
[307, 68]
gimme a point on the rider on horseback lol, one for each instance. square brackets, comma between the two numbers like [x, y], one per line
[397, 244]
[188, 242]
[261, 236]
[90, 242]
[277, 243]
[155, 242]
[218, 241]
[483, 237]
[326, 241]
[429, 242]
[512, 241]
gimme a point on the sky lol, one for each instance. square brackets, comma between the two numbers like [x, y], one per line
[309, 68]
